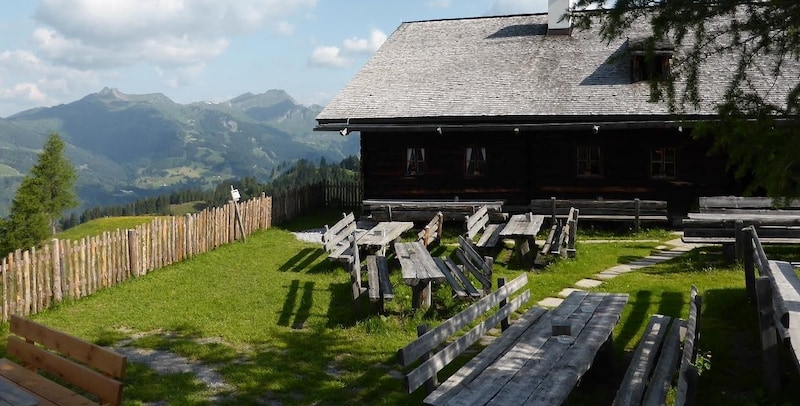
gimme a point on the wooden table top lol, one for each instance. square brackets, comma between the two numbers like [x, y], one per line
[523, 225]
[12, 394]
[384, 233]
[538, 367]
[417, 263]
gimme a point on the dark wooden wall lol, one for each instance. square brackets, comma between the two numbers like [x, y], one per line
[534, 165]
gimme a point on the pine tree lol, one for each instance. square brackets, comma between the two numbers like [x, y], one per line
[41, 198]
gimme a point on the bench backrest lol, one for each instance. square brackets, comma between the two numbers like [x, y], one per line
[336, 235]
[432, 231]
[481, 267]
[430, 340]
[734, 204]
[88, 366]
[476, 222]
[588, 207]
[422, 210]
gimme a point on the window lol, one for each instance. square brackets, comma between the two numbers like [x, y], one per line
[476, 161]
[415, 161]
[662, 162]
[589, 161]
[650, 58]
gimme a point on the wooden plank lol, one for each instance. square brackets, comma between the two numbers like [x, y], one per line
[419, 375]
[465, 282]
[372, 278]
[383, 278]
[524, 325]
[430, 340]
[476, 270]
[661, 380]
[417, 264]
[687, 374]
[520, 370]
[106, 388]
[474, 257]
[643, 361]
[458, 289]
[787, 285]
[51, 392]
[739, 202]
[476, 223]
[83, 351]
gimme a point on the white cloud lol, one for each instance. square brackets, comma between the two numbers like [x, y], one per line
[91, 33]
[26, 91]
[328, 56]
[341, 57]
[438, 4]
[282, 29]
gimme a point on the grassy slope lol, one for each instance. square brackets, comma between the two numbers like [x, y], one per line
[98, 226]
[249, 296]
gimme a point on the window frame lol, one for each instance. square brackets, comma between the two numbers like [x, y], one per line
[584, 156]
[416, 157]
[663, 161]
[480, 163]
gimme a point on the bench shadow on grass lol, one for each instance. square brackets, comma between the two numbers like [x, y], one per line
[302, 260]
[289, 304]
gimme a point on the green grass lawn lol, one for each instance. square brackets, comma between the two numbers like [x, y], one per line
[98, 226]
[275, 318]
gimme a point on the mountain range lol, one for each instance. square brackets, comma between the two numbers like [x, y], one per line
[126, 146]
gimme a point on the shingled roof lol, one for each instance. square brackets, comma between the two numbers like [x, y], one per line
[494, 68]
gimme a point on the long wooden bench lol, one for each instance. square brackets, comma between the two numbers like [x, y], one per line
[659, 355]
[776, 292]
[721, 218]
[472, 263]
[493, 309]
[378, 287]
[335, 238]
[90, 367]
[561, 238]
[635, 210]
[422, 210]
[478, 224]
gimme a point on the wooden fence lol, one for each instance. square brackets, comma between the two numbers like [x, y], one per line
[35, 279]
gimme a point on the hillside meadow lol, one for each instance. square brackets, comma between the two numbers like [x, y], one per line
[274, 318]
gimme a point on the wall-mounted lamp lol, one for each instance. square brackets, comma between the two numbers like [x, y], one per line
[344, 131]
[516, 130]
[680, 128]
[439, 130]
[595, 128]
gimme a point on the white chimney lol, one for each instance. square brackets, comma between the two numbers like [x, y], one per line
[555, 10]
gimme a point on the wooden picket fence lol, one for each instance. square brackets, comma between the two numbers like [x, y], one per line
[35, 279]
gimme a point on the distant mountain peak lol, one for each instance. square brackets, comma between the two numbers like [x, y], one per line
[109, 92]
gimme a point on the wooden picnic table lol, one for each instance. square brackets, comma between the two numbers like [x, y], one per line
[541, 362]
[13, 394]
[382, 234]
[419, 271]
[522, 228]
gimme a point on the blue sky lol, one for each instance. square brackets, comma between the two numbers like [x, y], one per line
[57, 51]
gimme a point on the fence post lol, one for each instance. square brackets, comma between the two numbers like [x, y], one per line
[133, 253]
[57, 271]
[739, 240]
[769, 340]
[749, 264]
[637, 203]
[553, 209]
[505, 322]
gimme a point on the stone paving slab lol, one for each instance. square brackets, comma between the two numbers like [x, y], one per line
[567, 291]
[550, 302]
[588, 283]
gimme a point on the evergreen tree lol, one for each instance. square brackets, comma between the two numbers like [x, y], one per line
[41, 198]
[760, 42]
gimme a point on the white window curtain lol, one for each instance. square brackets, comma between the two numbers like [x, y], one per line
[409, 155]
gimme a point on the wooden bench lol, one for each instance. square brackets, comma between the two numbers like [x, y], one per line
[423, 210]
[776, 292]
[721, 218]
[659, 355]
[478, 224]
[636, 210]
[422, 348]
[90, 367]
[432, 232]
[561, 238]
[472, 263]
[378, 287]
[335, 239]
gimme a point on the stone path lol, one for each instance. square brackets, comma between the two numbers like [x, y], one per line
[662, 253]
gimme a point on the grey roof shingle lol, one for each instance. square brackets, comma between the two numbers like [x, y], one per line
[507, 66]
